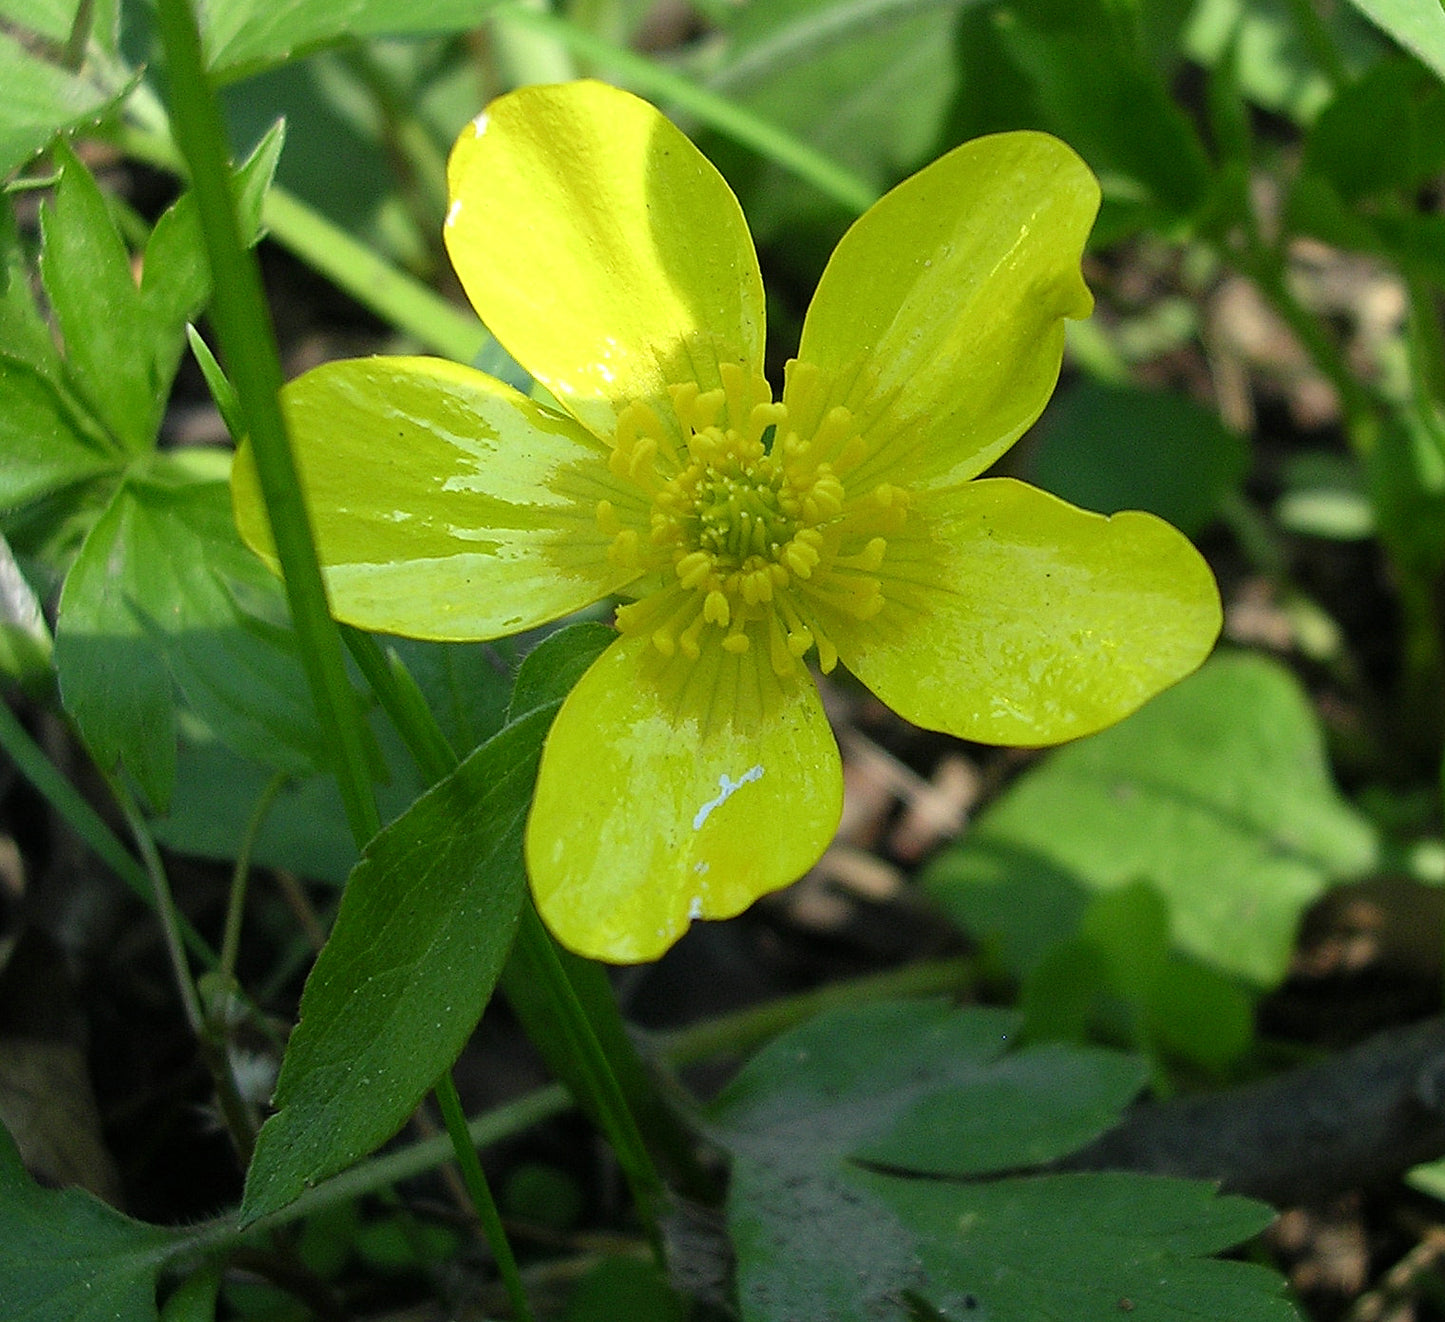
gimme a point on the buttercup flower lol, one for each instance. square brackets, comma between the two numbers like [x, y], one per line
[692, 769]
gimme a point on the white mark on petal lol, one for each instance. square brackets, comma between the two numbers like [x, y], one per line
[701, 867]
[727, 787]
[694, 910]
[454, 211]
[479, 124]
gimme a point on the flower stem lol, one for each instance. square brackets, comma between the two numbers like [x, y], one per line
[248, 345]
[456, 1122]
[240, 1123]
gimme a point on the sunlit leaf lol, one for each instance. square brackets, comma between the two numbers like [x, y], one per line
[1217, 793]
[41, 100]
[1419, 28]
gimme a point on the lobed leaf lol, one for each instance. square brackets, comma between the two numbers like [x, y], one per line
[840, 1130]
[1217, 792]
[164, 595]
[67, 1257]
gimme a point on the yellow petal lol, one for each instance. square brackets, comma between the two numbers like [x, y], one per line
[601, 248]
[1015, 618]
[676, 790]
[445, 504]
[939, 319]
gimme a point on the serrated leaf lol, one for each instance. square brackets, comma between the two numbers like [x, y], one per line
[87, 276]
[1217, 793]
[67, 1257]
[246, 35]
[423, 931]
[163, 594]
[926, 1090]
[1111, 448]
[176, 274]
[41, 101]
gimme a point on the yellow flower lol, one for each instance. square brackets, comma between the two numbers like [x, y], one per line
[692, 769]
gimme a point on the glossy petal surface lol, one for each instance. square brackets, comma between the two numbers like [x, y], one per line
[601, 248]
[445, 504]
[671, 792]
[1014, 618]
[939, 316]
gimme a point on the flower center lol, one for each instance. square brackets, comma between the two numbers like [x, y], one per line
[750, 528]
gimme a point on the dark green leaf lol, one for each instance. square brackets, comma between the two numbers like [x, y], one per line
[556, 664]
[1275, 66]
[423, 931]
[41, 100]
[1111, 448]
[1217, 793]
[624, 1288]
[1384, 133]
[67, 1257]
[87, 275]
[1117, 113]
[924, 1090]
[1083, 1246]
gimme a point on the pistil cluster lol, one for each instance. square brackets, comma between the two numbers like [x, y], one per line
[751, 529]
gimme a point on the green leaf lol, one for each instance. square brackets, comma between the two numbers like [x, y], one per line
[883, 68]
[1111, 448]
[176, 273]
[163, 593]
[1275, 67]
[1083, 1246]
[43, 445]
[555, 665]
[1384, 133]
[41, 101]
[624, 1287]
[1419, 28]
[922, 1090]
[1217, 793]
[1116, 112]
[97, 306]
[51, 19]
[424, 928]
[1119, 977]
[246, 35]
[67, 1257]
